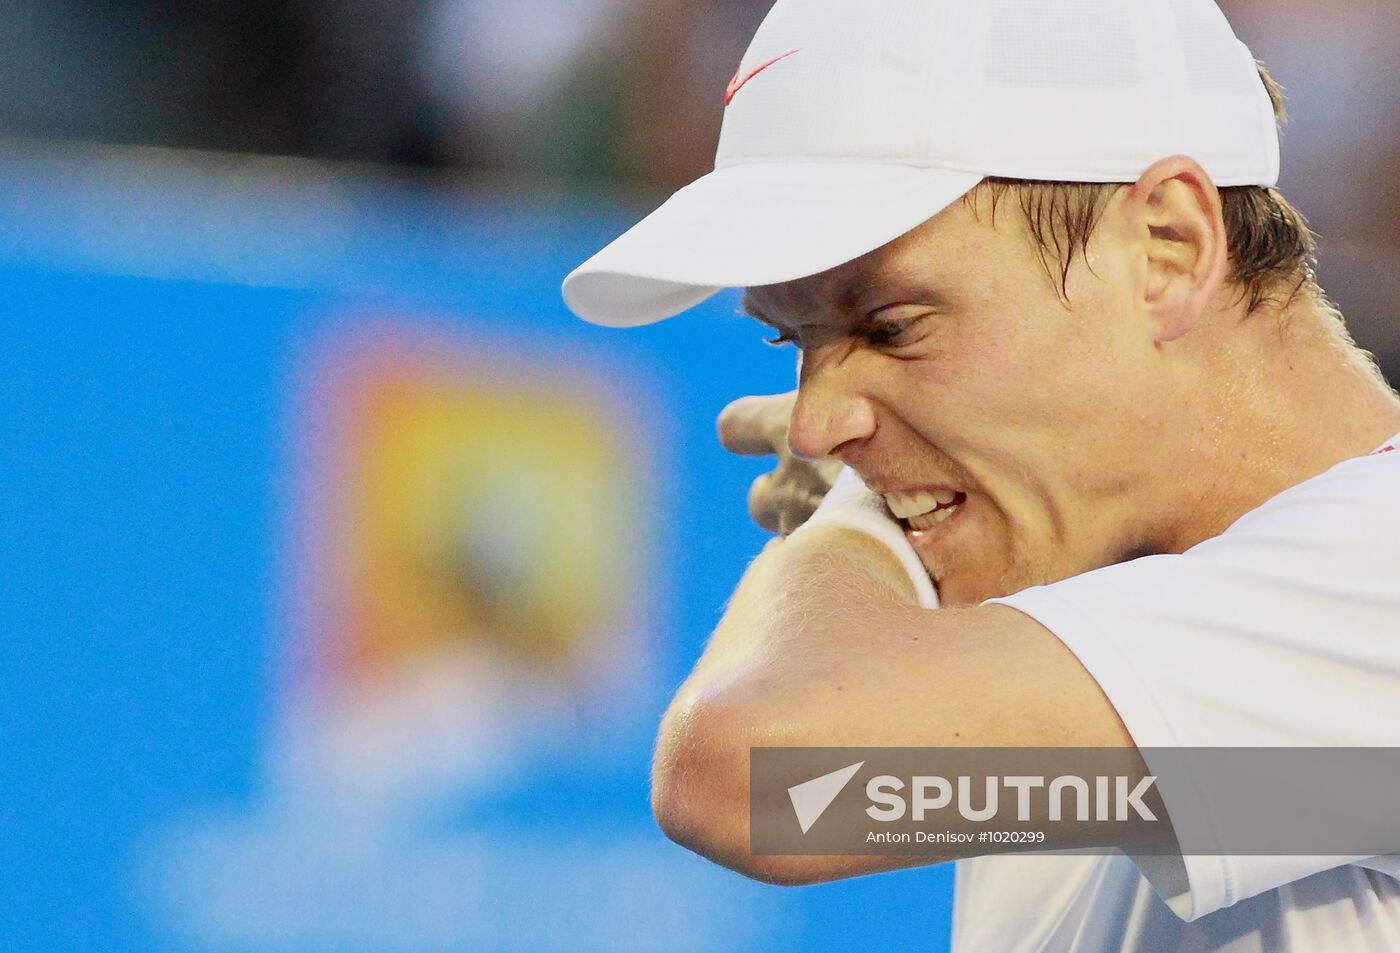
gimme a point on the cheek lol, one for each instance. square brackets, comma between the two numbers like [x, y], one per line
[1059, 372]
[1004, 387]
[1021, 415]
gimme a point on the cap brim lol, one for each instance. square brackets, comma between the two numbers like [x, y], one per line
[759, 223]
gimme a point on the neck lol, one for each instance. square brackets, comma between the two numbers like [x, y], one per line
[1300, 399]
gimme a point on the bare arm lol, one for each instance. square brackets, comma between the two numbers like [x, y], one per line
[823, 645]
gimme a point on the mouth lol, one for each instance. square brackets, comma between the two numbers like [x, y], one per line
[925, 510]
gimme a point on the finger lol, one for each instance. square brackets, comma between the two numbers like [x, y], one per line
[756, 426]
[826, 472]
[798, 510]
[802, 479]
[764, 504]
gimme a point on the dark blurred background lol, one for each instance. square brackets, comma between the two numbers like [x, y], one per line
[613, 93]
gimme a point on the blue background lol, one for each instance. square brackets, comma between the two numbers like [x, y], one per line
[154, 321]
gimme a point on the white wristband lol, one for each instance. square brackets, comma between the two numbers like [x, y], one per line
[851, 505]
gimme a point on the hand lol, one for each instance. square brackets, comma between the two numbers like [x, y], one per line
[782, 500]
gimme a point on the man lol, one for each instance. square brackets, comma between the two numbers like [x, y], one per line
[1115, 423]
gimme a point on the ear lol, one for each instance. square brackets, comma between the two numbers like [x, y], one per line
[1182, 250]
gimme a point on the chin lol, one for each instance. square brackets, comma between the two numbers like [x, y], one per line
[958, 590]
[954, 593]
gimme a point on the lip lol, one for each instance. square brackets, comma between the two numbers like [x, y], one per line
[886, 489]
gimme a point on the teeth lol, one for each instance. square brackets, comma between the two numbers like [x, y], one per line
[907, 506]
[911, 505]
[944, 513]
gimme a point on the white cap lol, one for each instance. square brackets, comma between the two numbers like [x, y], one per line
[852, 122]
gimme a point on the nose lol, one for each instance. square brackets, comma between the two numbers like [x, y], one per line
[830, 417]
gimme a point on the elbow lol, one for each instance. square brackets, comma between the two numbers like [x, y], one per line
[700, 790]
[699, 781]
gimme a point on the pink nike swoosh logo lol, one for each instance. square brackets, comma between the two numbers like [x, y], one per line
[737, 84]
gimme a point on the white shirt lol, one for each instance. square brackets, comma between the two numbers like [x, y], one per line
[1282, 631]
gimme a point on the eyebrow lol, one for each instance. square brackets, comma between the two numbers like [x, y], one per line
[902, 283]
[849, 296]
[854, 290]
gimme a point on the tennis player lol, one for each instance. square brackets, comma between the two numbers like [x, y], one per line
[1060, 335]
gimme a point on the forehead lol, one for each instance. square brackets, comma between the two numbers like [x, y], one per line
[928, 261]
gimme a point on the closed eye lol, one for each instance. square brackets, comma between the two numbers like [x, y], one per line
[887, 333]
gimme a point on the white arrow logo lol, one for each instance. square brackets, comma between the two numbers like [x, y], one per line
[810, 799]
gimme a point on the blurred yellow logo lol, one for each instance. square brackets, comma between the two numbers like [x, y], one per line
[464, 510]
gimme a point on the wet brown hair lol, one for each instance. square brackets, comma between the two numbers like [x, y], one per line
[1272, 252]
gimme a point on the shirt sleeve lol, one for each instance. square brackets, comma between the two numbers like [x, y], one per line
[1284, 631]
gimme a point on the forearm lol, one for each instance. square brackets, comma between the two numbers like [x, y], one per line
[783, 609]
[824, 645]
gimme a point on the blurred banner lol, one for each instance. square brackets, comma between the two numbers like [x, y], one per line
[346, 576]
